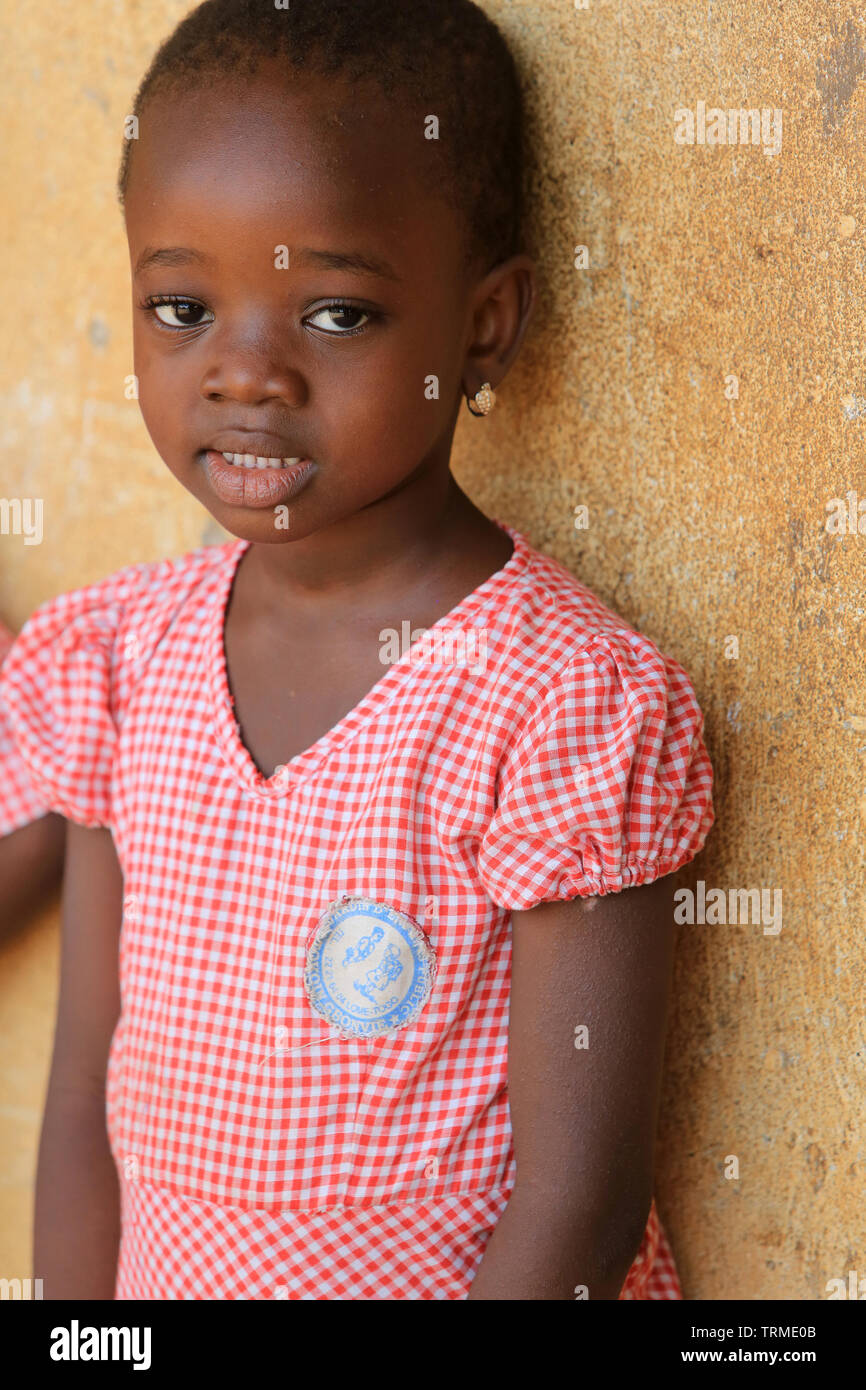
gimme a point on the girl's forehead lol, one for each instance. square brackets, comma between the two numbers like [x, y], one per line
[271, 160]
[267, 130]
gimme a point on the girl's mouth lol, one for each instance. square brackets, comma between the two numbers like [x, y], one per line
[251, 461]
[244, 480]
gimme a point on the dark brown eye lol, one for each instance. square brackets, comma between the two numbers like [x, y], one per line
[340, 313]
[186, 310]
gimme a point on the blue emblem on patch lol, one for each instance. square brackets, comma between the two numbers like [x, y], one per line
[370, 968]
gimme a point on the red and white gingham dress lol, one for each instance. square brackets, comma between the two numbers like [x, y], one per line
[262, 1152]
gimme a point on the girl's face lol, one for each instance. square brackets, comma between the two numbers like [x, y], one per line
[254, 206]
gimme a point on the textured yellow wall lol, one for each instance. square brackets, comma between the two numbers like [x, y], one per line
[707, 505]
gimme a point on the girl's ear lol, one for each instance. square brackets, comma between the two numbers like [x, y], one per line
[503, 304]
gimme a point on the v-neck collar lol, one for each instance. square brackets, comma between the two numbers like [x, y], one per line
[300, 767]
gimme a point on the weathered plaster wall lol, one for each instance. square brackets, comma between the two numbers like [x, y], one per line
[707, 502]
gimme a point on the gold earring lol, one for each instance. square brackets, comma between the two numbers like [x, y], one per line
[485, 399]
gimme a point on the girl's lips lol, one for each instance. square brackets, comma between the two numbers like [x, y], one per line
[255, 487]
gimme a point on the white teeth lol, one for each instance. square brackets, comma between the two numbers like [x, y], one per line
[254, 461]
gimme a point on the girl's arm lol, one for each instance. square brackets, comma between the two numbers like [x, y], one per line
[31, 868]
[77, 1219]
[583, 1117]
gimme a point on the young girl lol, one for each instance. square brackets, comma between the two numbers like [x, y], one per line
[388, 1015]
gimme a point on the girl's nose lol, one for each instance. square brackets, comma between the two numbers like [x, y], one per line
[251, 375]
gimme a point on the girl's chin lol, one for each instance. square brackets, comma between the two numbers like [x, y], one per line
[249, 509]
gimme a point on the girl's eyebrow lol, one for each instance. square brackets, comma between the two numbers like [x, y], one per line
[170, 255]
[349, 260]
[333, 260]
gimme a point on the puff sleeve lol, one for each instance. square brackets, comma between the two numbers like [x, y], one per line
[20, 801]
[606, 784]
[57, 710]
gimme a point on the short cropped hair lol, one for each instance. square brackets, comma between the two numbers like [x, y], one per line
[444, 58]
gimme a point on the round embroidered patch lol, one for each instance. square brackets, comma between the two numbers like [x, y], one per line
[369, 968]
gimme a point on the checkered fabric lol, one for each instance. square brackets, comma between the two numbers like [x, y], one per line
[530, 748]
[20, 802]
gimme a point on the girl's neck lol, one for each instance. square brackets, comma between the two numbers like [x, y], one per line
[380, 551]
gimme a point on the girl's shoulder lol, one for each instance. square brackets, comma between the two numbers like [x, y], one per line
[556, 627]
[67, 679]
[148, 587]
[130, 608]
